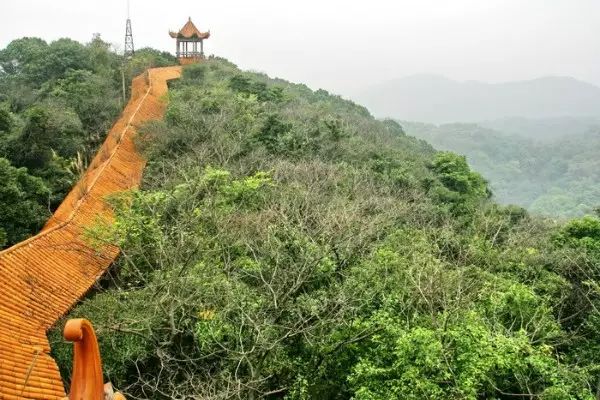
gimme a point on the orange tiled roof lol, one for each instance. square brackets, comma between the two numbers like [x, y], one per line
[190, 31]
[44, 276]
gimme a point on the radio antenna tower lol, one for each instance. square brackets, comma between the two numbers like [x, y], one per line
[129, 49]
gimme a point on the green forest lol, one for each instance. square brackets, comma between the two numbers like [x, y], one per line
[285, 244]
[57, 101]
[557, 178]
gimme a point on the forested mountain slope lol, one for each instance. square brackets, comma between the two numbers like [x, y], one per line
[44, 277]
[544, 129]
[285, 244]
[558, 178]
[57, 101]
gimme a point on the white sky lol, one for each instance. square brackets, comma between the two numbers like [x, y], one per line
[343, 45]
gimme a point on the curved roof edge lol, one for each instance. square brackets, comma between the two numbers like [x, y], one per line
[189, 31]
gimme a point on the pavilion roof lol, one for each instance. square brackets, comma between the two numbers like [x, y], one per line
[190, 31]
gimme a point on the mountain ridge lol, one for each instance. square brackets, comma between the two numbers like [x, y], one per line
[438, 99]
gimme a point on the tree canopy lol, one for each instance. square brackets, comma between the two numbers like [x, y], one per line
[57, 102]
[285, 244]
[23, 203]
[556, 178]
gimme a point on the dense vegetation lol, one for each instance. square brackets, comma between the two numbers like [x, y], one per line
[287, 245]
[557, 178]
[57, 100]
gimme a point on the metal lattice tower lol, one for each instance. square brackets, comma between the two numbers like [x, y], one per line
[129, 49]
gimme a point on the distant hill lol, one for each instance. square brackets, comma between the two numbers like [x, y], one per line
[557, 178]
[544, 129]
[436, 99]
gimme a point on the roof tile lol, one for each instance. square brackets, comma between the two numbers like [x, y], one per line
[44, 276]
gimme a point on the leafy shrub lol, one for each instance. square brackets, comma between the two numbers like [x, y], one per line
[57, 102]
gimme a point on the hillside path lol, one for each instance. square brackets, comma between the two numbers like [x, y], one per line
[43, 277]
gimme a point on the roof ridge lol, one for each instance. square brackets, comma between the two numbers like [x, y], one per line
[189, 31]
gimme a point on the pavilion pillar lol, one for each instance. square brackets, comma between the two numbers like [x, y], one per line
[202, 47]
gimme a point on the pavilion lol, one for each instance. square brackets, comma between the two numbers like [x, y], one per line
[188, 38]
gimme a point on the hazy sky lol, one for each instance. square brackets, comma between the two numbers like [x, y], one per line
[343, 45]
